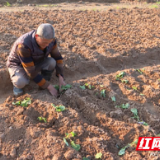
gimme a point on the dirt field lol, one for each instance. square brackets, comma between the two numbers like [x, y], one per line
[97, 45]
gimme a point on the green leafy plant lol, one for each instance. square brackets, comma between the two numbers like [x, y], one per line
[103, 93]
[77, 147]
[59, 108]
[122, 151]
[26, 102]
[144, 123]
[101, 86]
[18, 103]
[8, 4]
[113, 98]
[120, 75]
[71, 134]
[89, 86]
[65, 141]
[124, 106]
[98, 155]
[138, 70]
[63, 88]
[125, 81]
[42, 119]
[23, 103]
[134, 88]
[73, 145]
[135, 112]
[83, 87]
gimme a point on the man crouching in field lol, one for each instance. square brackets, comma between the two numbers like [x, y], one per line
[29, 56]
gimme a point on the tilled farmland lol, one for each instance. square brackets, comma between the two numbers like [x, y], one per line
[111, 61]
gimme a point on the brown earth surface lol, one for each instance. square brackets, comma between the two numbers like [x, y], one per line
[96, 46]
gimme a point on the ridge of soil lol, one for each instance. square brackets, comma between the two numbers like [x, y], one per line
[96, 46]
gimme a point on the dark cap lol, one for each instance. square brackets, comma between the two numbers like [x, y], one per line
[46, 31]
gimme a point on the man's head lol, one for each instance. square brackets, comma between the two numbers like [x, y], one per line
[45, 35]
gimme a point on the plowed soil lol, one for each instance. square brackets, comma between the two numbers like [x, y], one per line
[96, 46]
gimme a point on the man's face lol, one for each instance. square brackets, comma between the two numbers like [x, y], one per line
[42, 42]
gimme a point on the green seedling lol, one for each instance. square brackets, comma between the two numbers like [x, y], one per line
[89, 86]
[139, 71]
[101, 86]
[124, 106]
[141, 94]
[158, 135]
[84, 158]
[134, 88]
[120, 75]
[71, 134]
[63, 88]
[68, 136]
[144, 123]
[65, 141]
[125, 81]
[82, 87]
[8, 4]
[18, 103]
[113, 98]
[23, 103]
[122, 151]
[103, 93]
[77, 147]
[42, 119]
[135, 112]
[59, 108]
[98, 155]
[26, 102]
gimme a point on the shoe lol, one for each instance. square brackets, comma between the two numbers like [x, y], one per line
[17, 91]
[46, 74]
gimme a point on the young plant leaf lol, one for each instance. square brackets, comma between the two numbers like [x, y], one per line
[122, 151]
[56, 87]
[26, 102]
[98, 155]
[66, 87]
[17, 103]
[60, 108]
[134, 87]
[120, 75]
[86, 84]
[141, 94]
[103, 94]
[139, 71]
[125, 106]
[134, 111]
[53, 105]
[113, 98]
[77, 147]
[82, 87]
[42, 119]
[101, 86]
[65, 141]
[144, 123]
[73, 134]
[125, 81]
[134, 142]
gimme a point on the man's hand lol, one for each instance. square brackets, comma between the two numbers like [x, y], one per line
[61, 82]
[52, 90]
